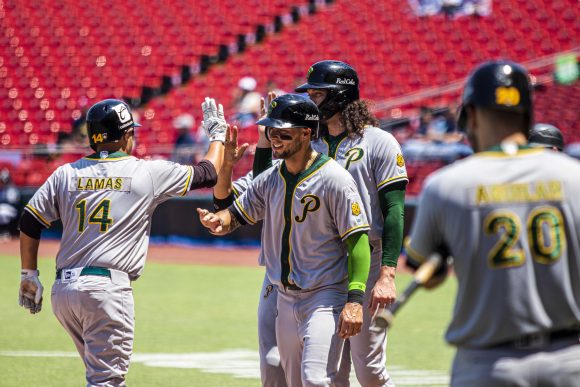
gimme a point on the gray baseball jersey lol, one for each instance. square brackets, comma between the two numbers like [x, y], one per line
[106, 206]
[374, 160]
[306, 218]
[512, 223]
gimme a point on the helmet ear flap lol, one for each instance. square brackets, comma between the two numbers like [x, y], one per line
[462, 118]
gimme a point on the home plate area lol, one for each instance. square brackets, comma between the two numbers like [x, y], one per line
[242, 364]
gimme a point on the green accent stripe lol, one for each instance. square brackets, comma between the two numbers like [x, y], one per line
[291, 182]
[334, 143]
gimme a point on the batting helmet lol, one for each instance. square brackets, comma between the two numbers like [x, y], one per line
[546, 135]
[341, 81]
[292, 111]
[500, 85]
[108, 120]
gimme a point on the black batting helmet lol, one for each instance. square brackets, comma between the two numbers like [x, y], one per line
[108, 120]
[292, 111]
[500, 85]
[341, 81]
[546, 135]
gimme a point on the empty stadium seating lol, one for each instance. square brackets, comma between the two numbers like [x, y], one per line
[58, 57]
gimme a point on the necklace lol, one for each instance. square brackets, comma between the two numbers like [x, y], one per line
[311, 160]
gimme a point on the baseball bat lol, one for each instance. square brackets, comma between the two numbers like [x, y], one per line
[384, 317]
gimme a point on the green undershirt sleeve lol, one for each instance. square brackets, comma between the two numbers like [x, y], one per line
[359, 262]
[262, 160]
[392, 200]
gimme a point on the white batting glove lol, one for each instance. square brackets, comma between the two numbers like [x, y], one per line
[214, 122]
[30, 293]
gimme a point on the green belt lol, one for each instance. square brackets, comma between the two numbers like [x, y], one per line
[89, 270]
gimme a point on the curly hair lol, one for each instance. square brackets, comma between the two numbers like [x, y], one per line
[356, 116]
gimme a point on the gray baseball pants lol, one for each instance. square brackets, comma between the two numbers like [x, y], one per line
[310, 349]
[368, 349]
[556, 365]
[98, 313]
[271, 370]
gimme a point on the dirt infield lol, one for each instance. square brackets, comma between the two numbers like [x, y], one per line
[241, 256]
[168, 253]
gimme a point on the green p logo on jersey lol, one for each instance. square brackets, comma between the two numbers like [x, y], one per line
[311, 204]
[354, 154]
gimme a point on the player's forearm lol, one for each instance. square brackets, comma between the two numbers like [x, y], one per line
[215, 155]
[228, 221]
[223, 187]
[28, 252]
[393, 208]
[359, 262]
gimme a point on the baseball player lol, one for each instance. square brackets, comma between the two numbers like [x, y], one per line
[312, 216]
[105, 202]
[510, 217]
[374, 159]
[547, 136]
[224, 194]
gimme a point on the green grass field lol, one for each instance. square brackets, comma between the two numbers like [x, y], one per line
[192, 309]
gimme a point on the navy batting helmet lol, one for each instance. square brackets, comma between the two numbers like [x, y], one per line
[499, 85]
[341, 81]
[546, 135]
[108, 120]
[292, 111]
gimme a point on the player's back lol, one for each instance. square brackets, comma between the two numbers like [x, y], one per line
[105, 206]
[512, 223]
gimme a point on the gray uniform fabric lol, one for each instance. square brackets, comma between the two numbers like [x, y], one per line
[105, 205]
[271, 371]
[324, 208]
[511, 220]
[375, 161]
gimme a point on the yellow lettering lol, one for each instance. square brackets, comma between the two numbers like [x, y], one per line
[99, 184]
[118, 184]
[89, 185]
[482, 196]
[109, 184]
[80, 184]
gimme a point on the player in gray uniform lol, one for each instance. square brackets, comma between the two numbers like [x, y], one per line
[224, 194]
[105, 202]
[312, 217]
[510, 217]
[374, 159]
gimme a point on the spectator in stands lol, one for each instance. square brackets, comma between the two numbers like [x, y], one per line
[547, 136]
[9, 201]
[184, 146]
[247, 102]
[436, 138]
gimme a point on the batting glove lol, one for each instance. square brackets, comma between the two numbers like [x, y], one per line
[30, 293]
[214, 122]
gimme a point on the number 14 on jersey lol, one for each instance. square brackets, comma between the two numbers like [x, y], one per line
[99, 215]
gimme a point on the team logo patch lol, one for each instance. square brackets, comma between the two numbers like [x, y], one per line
[310, 70]
[400, 160]
[273, 104]
[355, 208]
[311, 204]
[122, 113]
[507, 96]
[268, 290]
[311, 117]
[352, 155]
